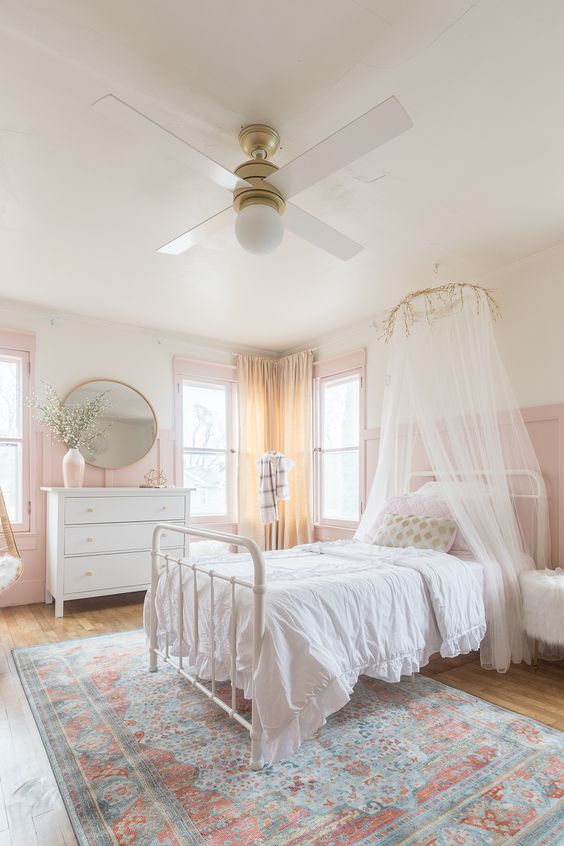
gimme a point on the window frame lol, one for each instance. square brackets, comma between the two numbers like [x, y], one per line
[333, 370]
[194, 372]
[21, 345]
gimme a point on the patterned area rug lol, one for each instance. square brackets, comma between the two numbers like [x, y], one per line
[141, 759]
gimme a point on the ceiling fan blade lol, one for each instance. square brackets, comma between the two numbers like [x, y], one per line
[129, 118]
[199, 233]
[316, 232]
[380, 124]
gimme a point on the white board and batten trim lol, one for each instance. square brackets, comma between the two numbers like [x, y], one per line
[99, 539]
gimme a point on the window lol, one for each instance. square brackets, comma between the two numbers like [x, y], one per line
[338, 440]
[14, 433]
[207, 434]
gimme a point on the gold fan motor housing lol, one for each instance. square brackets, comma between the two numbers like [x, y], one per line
[257, 171]
[259, 141]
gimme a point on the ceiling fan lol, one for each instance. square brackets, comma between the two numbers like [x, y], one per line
[261, 190]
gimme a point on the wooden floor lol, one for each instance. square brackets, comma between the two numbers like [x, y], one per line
[31, 809]
[538, 694]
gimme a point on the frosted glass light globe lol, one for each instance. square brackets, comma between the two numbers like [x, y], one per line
[259, 229]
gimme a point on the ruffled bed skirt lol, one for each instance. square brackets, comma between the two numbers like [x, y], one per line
[334, 695]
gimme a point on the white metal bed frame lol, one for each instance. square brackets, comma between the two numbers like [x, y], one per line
[538, 493]
[258, 589]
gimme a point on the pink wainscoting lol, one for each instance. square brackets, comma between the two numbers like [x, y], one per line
[546, 428]
[545, 425]
[46, 458]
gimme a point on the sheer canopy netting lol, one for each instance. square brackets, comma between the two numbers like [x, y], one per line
[449, 409]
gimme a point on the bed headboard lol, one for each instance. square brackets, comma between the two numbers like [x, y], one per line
[545, 425]
[535, 490]
[536, 480]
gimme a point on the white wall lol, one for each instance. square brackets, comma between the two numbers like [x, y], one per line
[71, 350]
[530, 334]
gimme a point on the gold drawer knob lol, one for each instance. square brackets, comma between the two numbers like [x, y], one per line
[90, 510]
[89, 540]
[89, 573]
[164, 508]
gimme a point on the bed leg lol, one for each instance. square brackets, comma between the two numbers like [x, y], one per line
[155, 549]
[536, 656]
[257, 760]
[259, 589]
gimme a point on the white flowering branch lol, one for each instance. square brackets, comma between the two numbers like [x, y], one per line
[76, 425]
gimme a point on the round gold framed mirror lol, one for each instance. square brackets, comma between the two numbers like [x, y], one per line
[128, 427]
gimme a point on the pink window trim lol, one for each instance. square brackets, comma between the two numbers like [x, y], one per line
[341, 365]
[354, 360]
[188, 370]
[23, 344]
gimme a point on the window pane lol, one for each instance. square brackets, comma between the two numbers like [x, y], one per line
[341, 413]
[10, 398]
[340, 474]
[11, 479]
[207, 473]
[204, 415]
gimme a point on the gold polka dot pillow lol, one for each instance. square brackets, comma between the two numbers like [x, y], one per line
[402, 530]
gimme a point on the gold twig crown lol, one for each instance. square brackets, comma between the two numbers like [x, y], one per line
[435, 302]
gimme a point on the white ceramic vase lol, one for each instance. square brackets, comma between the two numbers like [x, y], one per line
[73, 468]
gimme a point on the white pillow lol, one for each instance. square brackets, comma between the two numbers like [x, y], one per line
[430, 489]
[435, 488]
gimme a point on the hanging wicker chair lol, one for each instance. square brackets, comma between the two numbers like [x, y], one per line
[11, 564]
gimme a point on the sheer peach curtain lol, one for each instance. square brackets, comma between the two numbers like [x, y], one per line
[258, 399]
[295, 380]
[275, 411]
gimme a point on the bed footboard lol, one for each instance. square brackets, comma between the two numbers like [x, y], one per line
[258, 589]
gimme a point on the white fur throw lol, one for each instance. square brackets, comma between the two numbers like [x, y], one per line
[11, 569]
[543, 605]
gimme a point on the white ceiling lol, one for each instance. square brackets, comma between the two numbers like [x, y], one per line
[478, 182]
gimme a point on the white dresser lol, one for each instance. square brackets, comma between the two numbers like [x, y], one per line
[99, 539]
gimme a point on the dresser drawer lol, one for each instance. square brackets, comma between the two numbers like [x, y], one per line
[123, 509]
[108, 572]
[115, 537]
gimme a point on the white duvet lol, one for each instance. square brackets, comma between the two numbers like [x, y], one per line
[334, 611]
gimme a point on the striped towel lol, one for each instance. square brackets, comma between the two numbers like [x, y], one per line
[273, 484]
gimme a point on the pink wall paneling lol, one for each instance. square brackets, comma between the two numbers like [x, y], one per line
[545, 425]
